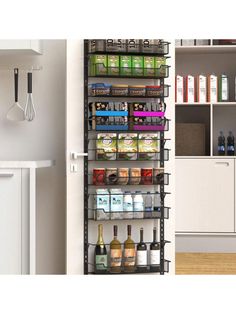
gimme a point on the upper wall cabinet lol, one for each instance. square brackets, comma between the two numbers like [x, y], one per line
[21, 46]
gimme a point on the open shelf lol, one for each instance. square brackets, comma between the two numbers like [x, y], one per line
[205, 49]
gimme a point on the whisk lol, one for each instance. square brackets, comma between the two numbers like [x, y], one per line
[30, 112]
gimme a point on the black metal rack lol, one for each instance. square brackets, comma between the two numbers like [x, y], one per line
[91, 213]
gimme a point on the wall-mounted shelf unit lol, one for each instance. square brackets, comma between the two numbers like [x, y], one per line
[21, 46]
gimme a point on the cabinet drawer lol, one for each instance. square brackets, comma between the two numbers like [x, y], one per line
[10, 221]
[205, 195]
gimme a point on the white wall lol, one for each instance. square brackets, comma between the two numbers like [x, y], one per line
[43, 138]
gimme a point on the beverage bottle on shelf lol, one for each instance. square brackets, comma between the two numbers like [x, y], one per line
[154, 251]
[148, 208]
[221, 144]
[230, 144]
[128, 205]
[115, 253]
[100, 252]
[129, 253]
[157, 205]
[141, 260]
[138, 205]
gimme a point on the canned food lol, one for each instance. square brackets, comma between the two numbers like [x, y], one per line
[146, 175]
[99, 176]
[123, 176]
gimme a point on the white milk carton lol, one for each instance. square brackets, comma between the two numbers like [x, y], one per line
[117, 200]
[201, 89]
[190, 89]
[179, 89]
[212, 88]
[102, 204]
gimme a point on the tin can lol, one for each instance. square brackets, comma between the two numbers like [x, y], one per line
[111, 176]
[158, 176]
[99, 176]
[135, 176]
[123, 176]
[146, 175]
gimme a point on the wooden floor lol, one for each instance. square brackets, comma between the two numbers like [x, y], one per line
[205, 264]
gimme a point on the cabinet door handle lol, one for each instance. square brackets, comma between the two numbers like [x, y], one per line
[222, 163]
[6, 175]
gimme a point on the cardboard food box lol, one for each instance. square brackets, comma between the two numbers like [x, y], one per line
[190, 89]
[149, 66]
[190, 139]
[125, 65]
[98, 65]
[212, 88]
[148, 145]
[116, 45]
[113, 64]
[188, 42]
[179, 89]
[106, 146]
[127, 146]
[133, 45]
[201, 88]
[159, 66]
[137, 65]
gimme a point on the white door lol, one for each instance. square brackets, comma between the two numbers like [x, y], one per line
[10, 221]
[205, 195]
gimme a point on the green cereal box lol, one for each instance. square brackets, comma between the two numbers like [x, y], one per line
[137, 65]
[149, 66]
[106, 146]
[113, 63]
[98, 65]
[125, 65]
[159, 62]
[148, 146]
[127, 146]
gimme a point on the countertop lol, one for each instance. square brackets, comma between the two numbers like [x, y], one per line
[26, 164]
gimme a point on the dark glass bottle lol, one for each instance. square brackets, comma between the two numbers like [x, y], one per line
[221, 144]
[141, 261]
[100, 256]
[230, 144]
[154, 251]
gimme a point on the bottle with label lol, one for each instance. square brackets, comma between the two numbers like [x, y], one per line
[148, 205]
[115, 253]
[230, 144]
[129, 253]
[141, 260]
[154, 251]
[128, 205]
[223, 88]
[221, 144]
[100, 253]
[138, 205]
[156, 205]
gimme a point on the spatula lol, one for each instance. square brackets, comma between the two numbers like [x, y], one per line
[16, 112]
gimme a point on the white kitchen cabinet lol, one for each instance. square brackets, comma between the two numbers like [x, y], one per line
[205, 195]
[21, 46]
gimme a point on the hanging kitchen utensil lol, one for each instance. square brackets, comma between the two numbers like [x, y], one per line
[16, 112]
[30, 112]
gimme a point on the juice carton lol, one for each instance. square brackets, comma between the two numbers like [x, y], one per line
[201, 89]
[212, 88]
[137, 65]
[98, 65]
[190, 89]
[127, 146]
[149, 66]
[116, 203]
[113, 63]
[179, 89]
[106, 146]
[102, 204]
[125, 65]
[148, 146]
[159, 66]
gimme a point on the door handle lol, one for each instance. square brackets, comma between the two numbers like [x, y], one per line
[222, 163]
[75, 155]
[6, 175]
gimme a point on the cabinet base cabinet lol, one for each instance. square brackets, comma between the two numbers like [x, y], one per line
[205, 192]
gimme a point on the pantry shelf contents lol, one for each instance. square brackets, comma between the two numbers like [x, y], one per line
[121, 130]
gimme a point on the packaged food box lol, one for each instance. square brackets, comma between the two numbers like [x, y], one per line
[137, 65]
[201, 88]
[99, 89]
[154, 91]
[190, 89]
[96, 45]
[127, 146]
[98, 65]
[113, 63]
[150, 45]
[160, 63]
[125, 65]
[116, 45]
[148, 146]
[116, 203]
[120, 90]
[102, 200]
[149, 66]
[212, 88]
[188, 42]
[179, 89]
[133, 45]
[106, 144]
[137, 90]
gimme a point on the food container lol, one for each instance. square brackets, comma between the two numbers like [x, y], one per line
[98, 65]
[135, 176]
[96, 45]
[99, 176]
[133, 45]
[123, 176]
[150, 45]
[127, 146]
[146, 175]
[117, 200]
[100, 89]
[116, 45]
[158, 176]
[148, 146]
[111, 176]
[154, 91]
[106, 144]
[119, 90]
[137, 90]
[102, 200]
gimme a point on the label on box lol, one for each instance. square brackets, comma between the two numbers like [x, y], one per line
[190, 89]
[202, 89]
[179, 89]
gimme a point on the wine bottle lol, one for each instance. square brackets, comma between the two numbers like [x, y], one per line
[115, 253]
[141, 260]
[154, 251]
[129, 253]
[100, 252]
